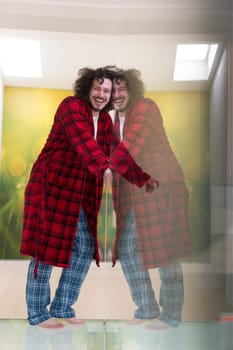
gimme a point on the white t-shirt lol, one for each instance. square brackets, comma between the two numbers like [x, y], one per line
[95, 120]
[122, 121]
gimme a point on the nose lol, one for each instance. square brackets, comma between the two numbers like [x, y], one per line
[115, 94]
[101, 92]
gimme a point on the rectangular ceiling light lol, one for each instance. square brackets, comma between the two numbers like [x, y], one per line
[20, 57]
[194, 61]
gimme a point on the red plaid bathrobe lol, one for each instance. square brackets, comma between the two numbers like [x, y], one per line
[68, 174]
[162, 218]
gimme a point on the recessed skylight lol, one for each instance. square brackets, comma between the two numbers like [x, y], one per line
[194, 61]
[20, 57]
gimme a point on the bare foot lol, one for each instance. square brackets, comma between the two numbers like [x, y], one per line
[51, 323]
[74, 320]
[157, 324]
[134, 322]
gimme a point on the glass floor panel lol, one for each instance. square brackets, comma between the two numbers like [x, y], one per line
[116, 335]
[18, 335]
[188, 336]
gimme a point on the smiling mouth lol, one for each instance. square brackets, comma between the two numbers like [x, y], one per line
[99, 101]
[119, 101]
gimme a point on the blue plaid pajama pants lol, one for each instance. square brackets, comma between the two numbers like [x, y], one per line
[70, 282]
[171, 290]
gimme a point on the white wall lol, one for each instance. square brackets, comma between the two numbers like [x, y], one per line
[218, 127]
[229, 187]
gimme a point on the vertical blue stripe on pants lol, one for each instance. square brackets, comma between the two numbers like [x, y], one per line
[70, 282]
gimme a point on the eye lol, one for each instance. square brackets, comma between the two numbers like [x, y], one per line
[95, 87]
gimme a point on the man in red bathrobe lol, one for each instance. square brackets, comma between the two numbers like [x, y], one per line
[152, 228]
[62, 198]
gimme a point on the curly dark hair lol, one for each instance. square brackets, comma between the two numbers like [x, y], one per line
[86, 76]
[135, 85]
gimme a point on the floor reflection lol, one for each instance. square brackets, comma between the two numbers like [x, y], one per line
[116, 335]
[191, 336]
[18, 335]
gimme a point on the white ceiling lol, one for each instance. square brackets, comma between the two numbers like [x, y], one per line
[130, 34]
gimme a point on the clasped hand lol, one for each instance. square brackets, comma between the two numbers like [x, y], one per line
[108, 178]
[150, 185]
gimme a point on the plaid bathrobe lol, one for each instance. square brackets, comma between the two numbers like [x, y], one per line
[67, 175]
[162, 217]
